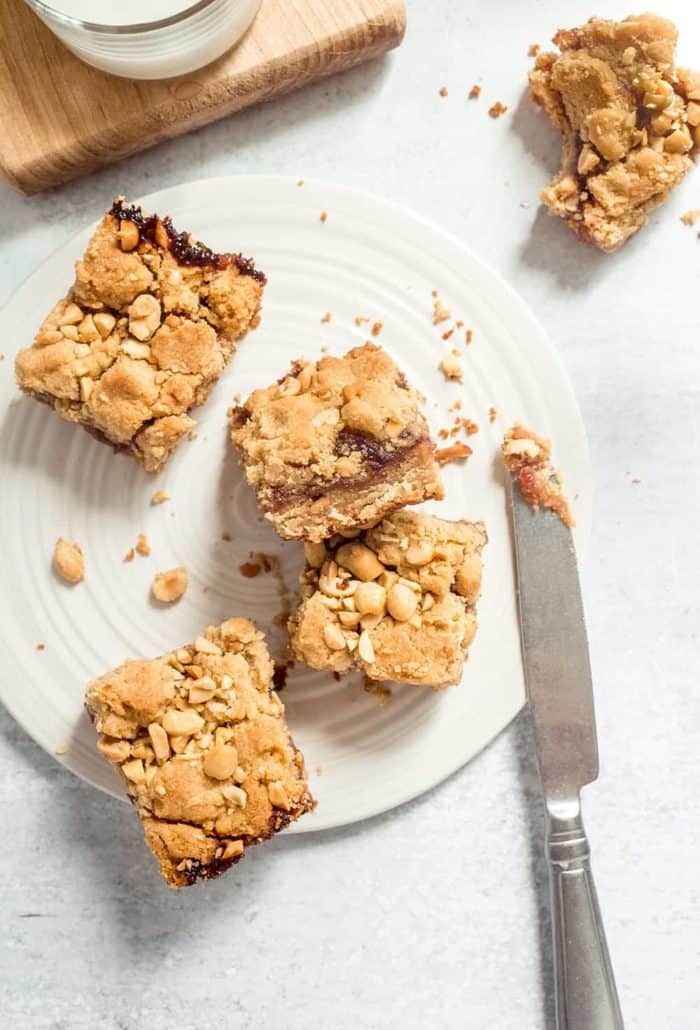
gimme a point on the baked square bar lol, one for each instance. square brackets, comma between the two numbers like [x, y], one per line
[630, 123]
[142, 335]
[202, 745]
[397, 601]
[336, 445]
[527, 456]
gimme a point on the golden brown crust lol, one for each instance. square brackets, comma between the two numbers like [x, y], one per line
[201, 743]
[336, 445]
[397, 600]
[629, 122]
[527, 456]
[141, 338]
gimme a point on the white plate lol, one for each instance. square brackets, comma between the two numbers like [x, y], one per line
[369, 258]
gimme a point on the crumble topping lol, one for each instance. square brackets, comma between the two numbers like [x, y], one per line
[202, 745]
[68, 561]
[169, 586]
[143, 334]
[630, 123]
[336, 445]
[527, 456]
[397, 600]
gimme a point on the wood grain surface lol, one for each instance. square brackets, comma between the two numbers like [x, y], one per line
[61, 118]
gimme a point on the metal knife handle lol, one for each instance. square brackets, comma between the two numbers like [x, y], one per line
[586, 996]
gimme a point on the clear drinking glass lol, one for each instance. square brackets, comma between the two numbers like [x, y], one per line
[147, 39]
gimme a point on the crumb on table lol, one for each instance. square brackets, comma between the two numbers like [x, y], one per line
[691, 217]
[361, 319]
[533, 50]
[475, 92]
[129, 556]
[377, 328]
[327, 317]
[160, 497]
[323, 216]
[493, 414]
[41, 647]
[443, 91]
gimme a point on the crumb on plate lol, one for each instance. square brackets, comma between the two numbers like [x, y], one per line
[452, 368]
[68, 561]
[142, 545]
[169, 586]
[440, 312]
[455, 452]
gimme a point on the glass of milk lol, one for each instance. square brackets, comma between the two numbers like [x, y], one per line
[147, 39]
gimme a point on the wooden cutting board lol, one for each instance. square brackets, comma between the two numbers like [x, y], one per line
[60, 118]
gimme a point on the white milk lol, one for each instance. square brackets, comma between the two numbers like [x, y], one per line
[192, 42]
[120, 12]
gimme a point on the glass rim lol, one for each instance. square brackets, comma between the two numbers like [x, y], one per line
[91, 26]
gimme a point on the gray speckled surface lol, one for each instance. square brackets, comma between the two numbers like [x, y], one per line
[435, 914]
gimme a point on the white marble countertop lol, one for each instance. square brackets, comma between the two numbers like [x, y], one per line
[435, 915]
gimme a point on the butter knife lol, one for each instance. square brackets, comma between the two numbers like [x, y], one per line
[560, 693]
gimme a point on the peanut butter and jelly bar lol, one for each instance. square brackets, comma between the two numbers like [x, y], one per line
[143, 334]
[630, 123]
[527, 456]
[201, 742]
[336, 445]
[397, 600]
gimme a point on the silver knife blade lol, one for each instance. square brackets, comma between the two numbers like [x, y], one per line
[555, 649]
